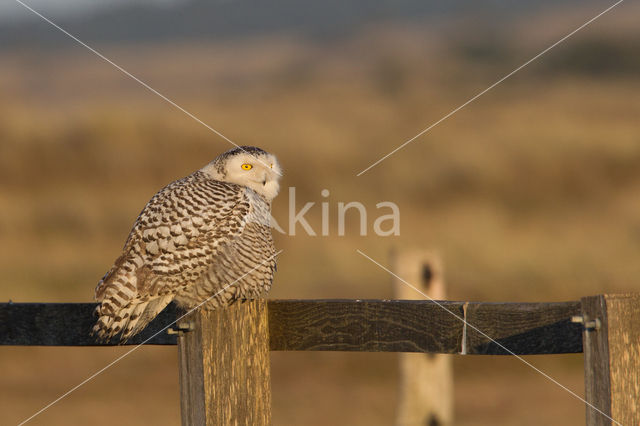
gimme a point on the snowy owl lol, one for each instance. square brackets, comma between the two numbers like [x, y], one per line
[205, 236]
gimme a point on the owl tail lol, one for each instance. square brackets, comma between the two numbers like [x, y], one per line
[129, 320]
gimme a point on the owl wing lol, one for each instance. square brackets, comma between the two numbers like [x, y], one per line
[174, 239]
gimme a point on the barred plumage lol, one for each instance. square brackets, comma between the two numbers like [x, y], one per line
[196, 236]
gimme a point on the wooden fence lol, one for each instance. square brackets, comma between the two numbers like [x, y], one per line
[224, 355]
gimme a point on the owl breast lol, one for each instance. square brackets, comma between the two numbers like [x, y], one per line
[243, 267]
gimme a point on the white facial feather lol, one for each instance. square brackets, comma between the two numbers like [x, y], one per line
[262, 176]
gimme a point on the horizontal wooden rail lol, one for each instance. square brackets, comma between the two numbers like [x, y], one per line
[339, 325]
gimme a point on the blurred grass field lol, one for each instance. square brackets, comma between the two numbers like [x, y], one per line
[532, 193]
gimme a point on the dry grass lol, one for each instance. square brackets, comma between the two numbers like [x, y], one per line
[532, 193]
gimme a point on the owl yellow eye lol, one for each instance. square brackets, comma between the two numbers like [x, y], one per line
[246, 166]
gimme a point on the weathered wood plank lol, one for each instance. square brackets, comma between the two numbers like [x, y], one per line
[364, 325]
[596, 362]
[623, 315]
[193, 410]
[68, 324]
[612, 358]
[224, 366]
[524, 328]
[336, 325]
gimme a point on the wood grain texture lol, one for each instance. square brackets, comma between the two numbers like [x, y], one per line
[336, 325]
[612, 359]
[192, 379]
[524, 328]
[364, 325]
[623, 314]
[225, 367]
[596, 362]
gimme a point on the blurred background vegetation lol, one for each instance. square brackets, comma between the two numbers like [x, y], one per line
[532, 193]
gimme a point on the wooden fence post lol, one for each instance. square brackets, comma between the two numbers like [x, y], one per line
[225, 366]
[611, 343]
[426, 380]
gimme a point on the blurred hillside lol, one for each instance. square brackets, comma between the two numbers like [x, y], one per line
[161, 20]
[530, 193]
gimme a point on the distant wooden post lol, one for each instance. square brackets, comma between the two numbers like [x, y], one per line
[426, 380]
[224, 366]
[611, 342]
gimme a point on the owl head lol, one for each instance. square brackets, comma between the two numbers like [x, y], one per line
[248, 166]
